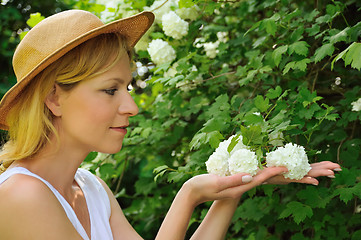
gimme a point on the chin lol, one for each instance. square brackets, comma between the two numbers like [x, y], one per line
[109, 150]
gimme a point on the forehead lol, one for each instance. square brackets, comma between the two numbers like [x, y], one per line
[120, 70]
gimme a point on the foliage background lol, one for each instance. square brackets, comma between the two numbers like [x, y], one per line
[280, 70]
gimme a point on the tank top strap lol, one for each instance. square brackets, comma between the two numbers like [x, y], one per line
[98, 204]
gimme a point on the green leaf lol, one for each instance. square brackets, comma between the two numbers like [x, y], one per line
[256, 25]
[288, 67]
[277, 54]
[302, 65]
[323, 51]
[185, 3]
[261, 103]
[274, 93]
[34, 19]
[298, 211]
[350, 55]
[270, 26]
[300, 47]
[214, 138]
[233, 143]
[251, 135]
[198, 140]
[353, 56]
[339, 37]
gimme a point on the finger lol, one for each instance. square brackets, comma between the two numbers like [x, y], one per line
[269, 172]
[234, 180]
[307, 180]
[327, 164]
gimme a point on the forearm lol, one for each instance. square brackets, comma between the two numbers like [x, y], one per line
[176, 222]
[217, 220]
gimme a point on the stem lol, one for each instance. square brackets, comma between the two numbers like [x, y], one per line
[159, 6]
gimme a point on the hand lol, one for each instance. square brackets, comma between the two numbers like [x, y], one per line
[319, 169]
[209, 187]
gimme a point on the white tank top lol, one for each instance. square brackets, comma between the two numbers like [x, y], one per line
[96, 198]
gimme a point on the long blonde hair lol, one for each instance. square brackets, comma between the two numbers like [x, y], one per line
[30, 121]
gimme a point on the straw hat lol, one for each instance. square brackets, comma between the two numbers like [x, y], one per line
[56, 35]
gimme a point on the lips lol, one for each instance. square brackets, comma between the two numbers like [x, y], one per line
[122, 129]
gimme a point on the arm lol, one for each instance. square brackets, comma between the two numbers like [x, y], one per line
[221, 211]
[226, 190]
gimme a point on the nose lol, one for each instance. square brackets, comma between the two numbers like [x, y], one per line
[128, 106]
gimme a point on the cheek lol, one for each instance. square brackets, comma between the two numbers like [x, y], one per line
[90, 114]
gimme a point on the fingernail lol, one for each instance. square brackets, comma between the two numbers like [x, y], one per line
[331, 176]
[247, 178]
[264, 183]
[316, 184]
[337, 169]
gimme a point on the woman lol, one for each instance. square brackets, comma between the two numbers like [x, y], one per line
[71, 98]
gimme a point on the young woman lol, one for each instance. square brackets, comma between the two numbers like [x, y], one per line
[72, 98]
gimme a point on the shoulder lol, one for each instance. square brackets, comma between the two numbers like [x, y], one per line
[25, 205]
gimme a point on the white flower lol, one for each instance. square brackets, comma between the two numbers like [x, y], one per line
[276, 138]
[172, 71]
[161, 52]
[243, 161]
[174, 26]
[160, 11]
[211, 49]
[218, 162]
[198, 42]
[356, 106]
[222, 36]
[292, 157]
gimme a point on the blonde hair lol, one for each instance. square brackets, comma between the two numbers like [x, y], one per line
[30, 121]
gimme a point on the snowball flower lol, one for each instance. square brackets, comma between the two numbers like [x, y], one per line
[243, 161]
[223, 163]
[356, 106]
[222, 36]
[160, 51]
[174, 26]
[160, 7]
[292, 157]
[218, 162]
[211, 49]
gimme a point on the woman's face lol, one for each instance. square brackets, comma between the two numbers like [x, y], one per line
[94, 114]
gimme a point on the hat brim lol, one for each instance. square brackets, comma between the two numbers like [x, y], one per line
[133, 28]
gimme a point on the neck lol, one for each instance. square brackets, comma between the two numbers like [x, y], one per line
[56, 164]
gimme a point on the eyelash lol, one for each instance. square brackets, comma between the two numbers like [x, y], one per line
[110, 91]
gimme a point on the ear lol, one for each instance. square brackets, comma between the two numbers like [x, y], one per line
[52, 101]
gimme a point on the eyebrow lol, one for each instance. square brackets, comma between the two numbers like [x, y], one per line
[120, 80]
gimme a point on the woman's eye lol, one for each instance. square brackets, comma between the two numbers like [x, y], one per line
[110, 91]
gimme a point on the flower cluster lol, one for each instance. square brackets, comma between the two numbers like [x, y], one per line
[160, 51]
[211, 48]
[239, 160]
[174, 26]
[291, 156]
[160, 7]
[356, 106]
[242, 160]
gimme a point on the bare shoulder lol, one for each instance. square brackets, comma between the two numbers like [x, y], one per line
[29, 210]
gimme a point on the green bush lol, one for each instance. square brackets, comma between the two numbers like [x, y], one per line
[290, 67]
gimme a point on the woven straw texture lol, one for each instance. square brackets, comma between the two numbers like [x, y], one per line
[58, 34]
